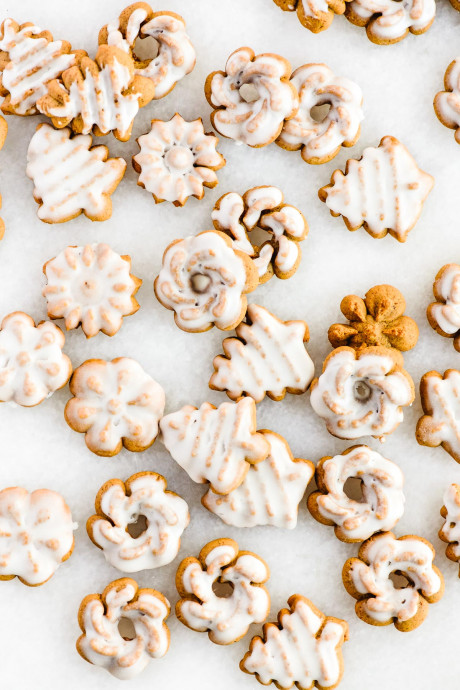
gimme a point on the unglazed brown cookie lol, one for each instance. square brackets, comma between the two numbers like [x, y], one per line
[440, 425]
[315, 15]
[444, 314]
[378, 319]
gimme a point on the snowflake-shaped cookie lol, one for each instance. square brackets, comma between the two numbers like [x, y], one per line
[444, 314]
[440, 425]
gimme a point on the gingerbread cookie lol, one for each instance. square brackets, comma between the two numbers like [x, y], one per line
[362, 393]
[91, 286]
[270, 493]
[32, 364]
[226, 619]
[447, 103]
[450, 531]
[102, 643]
[389, 21]
[215, 444]
[176, 55]
[204, 280]
[3, 133]
[440, 425]
[320, 140]
[383, 191]
[71, 176]
[382, 499]
[36, 534]
[378, 319]
[252, 98]
[262, 208]
[267, 357]
[303, 648]
[102, 95]
[444, 314]
[177, 160]
[315, 15]
[115, 404]
[368, 579]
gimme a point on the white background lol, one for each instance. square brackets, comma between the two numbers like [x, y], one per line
[38, 626]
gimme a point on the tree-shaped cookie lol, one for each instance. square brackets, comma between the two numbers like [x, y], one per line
[304, 648]
[440, 425]
[70, 176]
[267, 357]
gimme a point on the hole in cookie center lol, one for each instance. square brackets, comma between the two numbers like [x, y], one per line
[399, 580]
[126, 629]
[135, 529]
[200, 282]
[223, 590]
[362, 392]
[146, 48]
[319, 113]
[353, 488]
[249, 93]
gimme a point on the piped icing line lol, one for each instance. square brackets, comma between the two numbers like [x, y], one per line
[440, 424]
[389, 21]
[444, 314]
[450, 531]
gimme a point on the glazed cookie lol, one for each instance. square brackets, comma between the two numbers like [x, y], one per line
[267, 357]
[204, 280]
[447, 103]
[389, 21]
[71, 176]
[450, 531]
[361, 393]
[316, 15]
[318, 138]
[262, 208]
[382, 497]
[440, 425]
[120, 507]
[102, 95]
[271, 98]
[383, 191]
[3, 133]
[36, 534]
[303, 648]
[226, 619]
[444, 314]
[177, 160]
[102, 643]
[368, 579]
[32, 364]
[29, 59]
[215, 444]
[91, 286]
[176, 55]
[270, 493]
[115, 404]
[378, 319]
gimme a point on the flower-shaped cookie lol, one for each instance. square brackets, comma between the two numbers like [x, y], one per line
[91, 286]
[450, 531]
[226, 619]
[252, 98]
[177, 160]
[389, 21]
[32, 364]
[444, 314]
[121, 505]
[204, 280]
[440, 425]
[447, 103]
[122, 602]
[382, 500]
[378, 319]
[115, 404]
[361, 393]
[315, 15]
[368, 579]
[36, 534]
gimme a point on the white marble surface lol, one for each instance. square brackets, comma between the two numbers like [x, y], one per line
[38, 627]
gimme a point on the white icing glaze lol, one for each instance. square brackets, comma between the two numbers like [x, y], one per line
[32, 364]
[115, 402]
[36, 534]
[222, 302]
[305, 649]
[313, 8]
[389, 20]
[69, 176]
[447, 313]
[226, 619]
[270, 357]
[450, 531]
[335, 398]
[166, 514]
[385, 554]
[382, 503]
[259, 122]
[177, 159]
[447, 103]
[215, 444]
[125, 41]
[90, 285]
[385, 190]
[33, 62]
[442, 424]
[318, 85]
[102, 644]
[270, 493]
